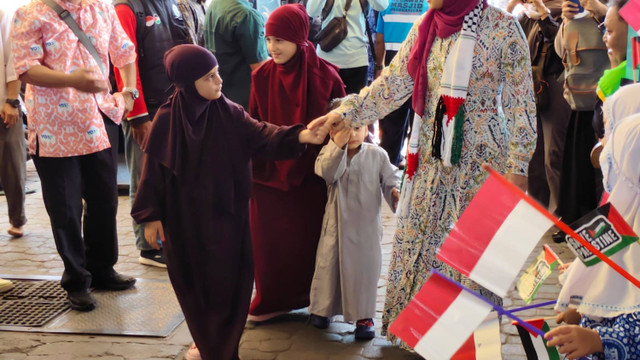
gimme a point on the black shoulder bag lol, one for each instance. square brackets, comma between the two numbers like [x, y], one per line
[335, 31]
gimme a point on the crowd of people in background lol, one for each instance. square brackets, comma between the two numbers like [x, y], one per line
[252, 162]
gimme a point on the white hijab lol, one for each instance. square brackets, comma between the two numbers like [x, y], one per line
[599, 291]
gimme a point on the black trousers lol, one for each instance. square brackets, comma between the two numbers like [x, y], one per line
[393, 130]
[354, 79]
[90, 247]
[580, 184]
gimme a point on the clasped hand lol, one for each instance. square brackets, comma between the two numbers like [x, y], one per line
[331, 122]
[318, 129]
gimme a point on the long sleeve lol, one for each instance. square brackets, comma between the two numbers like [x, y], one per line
[331, 163]
[389, 178]
[149, 201]
[387, 93]
[549, 28]
[270, 141]
[517, 100]
[128, 21]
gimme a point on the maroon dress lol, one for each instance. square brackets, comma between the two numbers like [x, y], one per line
[288, 199]
[205, 214]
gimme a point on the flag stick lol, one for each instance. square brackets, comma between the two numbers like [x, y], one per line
[562, 226]
[499, 309]
[552, 302]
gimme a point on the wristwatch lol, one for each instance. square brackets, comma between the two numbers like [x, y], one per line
[378, 67]
[15, 103]
[133, 91]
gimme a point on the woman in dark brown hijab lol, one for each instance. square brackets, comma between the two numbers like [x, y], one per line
[194, 194]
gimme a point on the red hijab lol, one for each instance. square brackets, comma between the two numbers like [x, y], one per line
[443, 23]
[292, 93]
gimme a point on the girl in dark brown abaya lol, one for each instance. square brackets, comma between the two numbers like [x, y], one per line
[194, 194]
[288, 199]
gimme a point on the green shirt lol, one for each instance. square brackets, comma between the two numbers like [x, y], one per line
[234, 32]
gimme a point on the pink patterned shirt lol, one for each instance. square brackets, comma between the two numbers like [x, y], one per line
[65, 121]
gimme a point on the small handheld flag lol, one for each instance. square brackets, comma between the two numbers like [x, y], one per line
[484, 343]
[498, 221]
[535, 346]
[605, 229]
[439, 319]
[533, 277]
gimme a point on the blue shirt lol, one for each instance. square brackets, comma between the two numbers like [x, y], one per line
[396, 21]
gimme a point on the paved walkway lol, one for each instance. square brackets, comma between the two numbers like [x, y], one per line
[288, 338]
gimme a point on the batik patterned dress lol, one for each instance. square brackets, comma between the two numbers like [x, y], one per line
[499, 129]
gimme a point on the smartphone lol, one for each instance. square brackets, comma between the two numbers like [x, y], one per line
[577, 2]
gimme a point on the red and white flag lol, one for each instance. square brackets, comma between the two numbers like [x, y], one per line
[630, 13]
[439, 319]
[494, 236]
[484, 343]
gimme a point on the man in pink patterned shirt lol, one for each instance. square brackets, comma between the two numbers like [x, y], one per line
[73, 133]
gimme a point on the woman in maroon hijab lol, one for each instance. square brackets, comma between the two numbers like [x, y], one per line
[288, 199]
[194, 194]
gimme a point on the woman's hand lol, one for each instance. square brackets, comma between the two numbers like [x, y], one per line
[330, 122]
[153, 230]
[313, 136]
[574, 341]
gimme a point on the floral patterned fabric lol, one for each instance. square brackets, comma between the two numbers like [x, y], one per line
[65, 121]
[499, 129]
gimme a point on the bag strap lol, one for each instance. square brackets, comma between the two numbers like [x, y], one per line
[347, 6]
[66, 17]
[328, 5]
[364, 5]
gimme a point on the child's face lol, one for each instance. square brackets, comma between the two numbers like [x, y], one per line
[210, 85]
[281, 50]
[357, 137]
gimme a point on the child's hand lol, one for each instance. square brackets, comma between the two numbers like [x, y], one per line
[315, 136]
[562, 268]
[395, 194]
[574, 341]
[153, 230]
[341, 137]
[569, 317]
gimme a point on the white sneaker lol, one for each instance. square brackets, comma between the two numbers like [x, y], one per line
[193, 353]
[5, 285]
